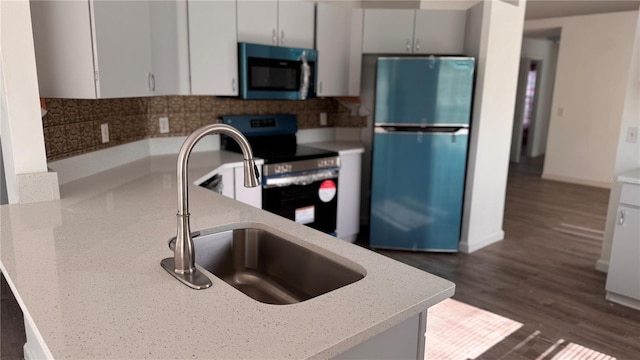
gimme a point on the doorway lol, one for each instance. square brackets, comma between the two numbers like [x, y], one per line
[526, 108]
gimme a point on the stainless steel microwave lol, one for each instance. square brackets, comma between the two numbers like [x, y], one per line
[273, 72]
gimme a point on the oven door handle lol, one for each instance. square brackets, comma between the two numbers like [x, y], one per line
[300, 179]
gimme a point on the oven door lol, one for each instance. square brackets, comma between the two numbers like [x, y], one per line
[271, 72]
[310, 199]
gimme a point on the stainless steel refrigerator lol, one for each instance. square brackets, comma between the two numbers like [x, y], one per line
[421, 133]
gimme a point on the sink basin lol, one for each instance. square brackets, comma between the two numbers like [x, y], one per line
[268, 268]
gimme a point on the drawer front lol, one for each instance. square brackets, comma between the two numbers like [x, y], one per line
[630, 194]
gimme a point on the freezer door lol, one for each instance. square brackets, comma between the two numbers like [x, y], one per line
[417, 190]
[424, 91]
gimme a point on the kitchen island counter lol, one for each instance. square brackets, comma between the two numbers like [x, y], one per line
[86, 272]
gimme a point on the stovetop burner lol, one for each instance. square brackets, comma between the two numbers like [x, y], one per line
[272, 138]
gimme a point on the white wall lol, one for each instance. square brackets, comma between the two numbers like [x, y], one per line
[590, 86]
[22, 134]
[497, 72]
[545, 51]
[628, 154]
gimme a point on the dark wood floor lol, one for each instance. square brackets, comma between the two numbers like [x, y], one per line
[12, 335]
[542, 274]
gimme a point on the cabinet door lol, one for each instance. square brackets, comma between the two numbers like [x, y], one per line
[122, 48]
[258, 21]
[348, 224]
[213, 50]
[439, 31]
[332, 29]
[169, 47]
[388, 31]
[296, 24]
[355, 52]
[624, 267]
[63, 71]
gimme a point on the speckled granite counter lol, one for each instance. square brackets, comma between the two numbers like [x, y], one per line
[85, 270]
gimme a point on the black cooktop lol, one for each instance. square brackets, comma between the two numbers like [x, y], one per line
[278, 148]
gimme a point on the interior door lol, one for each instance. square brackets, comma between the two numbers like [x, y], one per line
[417, 190]
[518, 115]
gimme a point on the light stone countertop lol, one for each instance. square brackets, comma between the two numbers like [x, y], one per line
[86, 272]
[341, 147]
[631, 177]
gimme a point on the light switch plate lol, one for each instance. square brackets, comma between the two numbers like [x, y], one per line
[632, 134]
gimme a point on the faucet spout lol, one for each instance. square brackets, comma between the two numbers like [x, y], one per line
[182, 265]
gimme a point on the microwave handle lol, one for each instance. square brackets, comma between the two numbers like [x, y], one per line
[306, 73]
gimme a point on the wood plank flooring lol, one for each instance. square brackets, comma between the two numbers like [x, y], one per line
[542, 277]
[12, 336]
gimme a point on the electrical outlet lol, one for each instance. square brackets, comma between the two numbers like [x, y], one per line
[164, 125]
[632, 134]
[561, 111]
[323, 119]
[104, 130]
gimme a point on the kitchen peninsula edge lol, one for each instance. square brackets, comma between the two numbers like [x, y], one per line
[85, 271]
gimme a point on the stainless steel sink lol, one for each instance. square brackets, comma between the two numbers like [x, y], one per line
[268, 268]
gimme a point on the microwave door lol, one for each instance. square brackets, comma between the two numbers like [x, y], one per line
[268, 72]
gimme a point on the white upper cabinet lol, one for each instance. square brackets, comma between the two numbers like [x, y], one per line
[258, 21]
[296, 24]
[439, 31]
[388, 31]
[169, 47]
[122, 51]
[213, 48]
[279, 23]
[414, 31]
[339, 45]
[103, 49]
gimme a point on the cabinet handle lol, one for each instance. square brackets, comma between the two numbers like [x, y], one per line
[320, 88]
[622, 214]
[417, 44]
[233, 85]
[408, 45]
[281, 37]
[151, 80]
[274, 37]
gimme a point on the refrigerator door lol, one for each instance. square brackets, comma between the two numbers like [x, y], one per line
[417, 190]
[424, 91]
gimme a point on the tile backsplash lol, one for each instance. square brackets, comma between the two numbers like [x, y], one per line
[72, 126]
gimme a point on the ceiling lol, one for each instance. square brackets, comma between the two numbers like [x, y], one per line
[539, 9]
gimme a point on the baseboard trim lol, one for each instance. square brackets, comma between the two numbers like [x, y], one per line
[572, 180]
[602, 265]
[623, 300]
[468, 247]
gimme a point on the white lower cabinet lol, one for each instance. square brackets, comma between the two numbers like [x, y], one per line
[402, 342]
[348, 224]
[623, 277]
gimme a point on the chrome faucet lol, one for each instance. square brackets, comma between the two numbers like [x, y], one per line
[182, 264]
